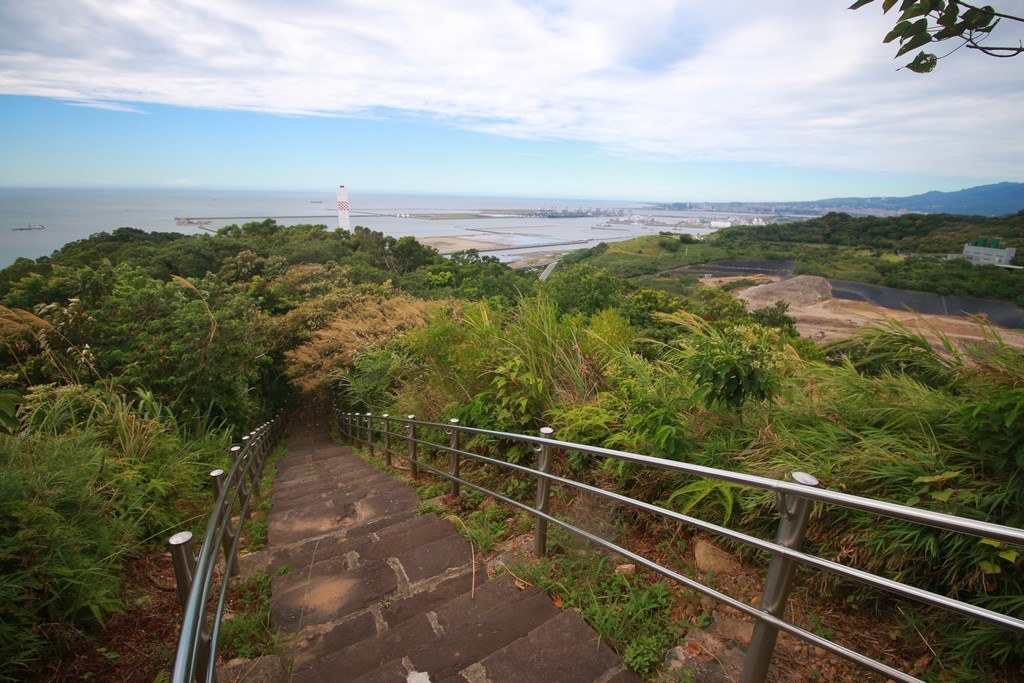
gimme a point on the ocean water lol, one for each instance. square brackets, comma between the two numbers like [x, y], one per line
[70, 214]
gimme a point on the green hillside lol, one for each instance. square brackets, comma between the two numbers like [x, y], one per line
[131, 360]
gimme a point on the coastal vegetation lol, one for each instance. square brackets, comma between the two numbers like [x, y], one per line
[905, 252]
[131, 360]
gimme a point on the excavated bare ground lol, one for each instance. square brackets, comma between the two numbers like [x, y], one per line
[820, 317]
[799, 292]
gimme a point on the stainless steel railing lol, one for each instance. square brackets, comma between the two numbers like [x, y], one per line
[794, 501]
[232, 491]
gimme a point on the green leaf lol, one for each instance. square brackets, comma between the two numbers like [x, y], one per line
[887, 5]
[917, 9]
[860, 3]
[979, 18]
[897, 32]
[943, 496]
[950, 15]
[923, 63]
[914, 43]
[1009, 555]
[992, 542]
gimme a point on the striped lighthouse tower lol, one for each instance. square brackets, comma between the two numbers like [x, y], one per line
[343, 222]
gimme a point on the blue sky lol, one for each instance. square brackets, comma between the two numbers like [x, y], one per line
[670, 100]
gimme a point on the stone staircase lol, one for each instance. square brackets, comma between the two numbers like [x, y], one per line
[373, 592]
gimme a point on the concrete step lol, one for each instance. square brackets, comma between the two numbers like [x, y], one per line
[328, 591]
[340, 461]
[438, 640]
[358, 502]
[340, 541]
[309, 493]
[377, 593]
[319, 640]
[563, 649]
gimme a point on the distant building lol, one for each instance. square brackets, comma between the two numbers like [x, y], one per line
[985, 251]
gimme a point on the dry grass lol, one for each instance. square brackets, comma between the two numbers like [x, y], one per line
[352, 330]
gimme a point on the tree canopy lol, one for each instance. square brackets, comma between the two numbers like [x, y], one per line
[923, 22]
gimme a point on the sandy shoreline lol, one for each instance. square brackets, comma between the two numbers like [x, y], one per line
[450, 245]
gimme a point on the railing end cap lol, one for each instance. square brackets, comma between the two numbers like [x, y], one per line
[805, 479]
[180, 538]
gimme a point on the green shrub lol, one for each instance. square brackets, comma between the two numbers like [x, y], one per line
[87, 482]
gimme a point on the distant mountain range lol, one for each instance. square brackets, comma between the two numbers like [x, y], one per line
[999, 199]
[985, 200]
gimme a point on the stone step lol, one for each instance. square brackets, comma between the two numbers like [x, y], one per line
[319, 640]
[341, 541]
[339, 462]
[563, 649]
[437, 641]
[308, 493]
[329, 590]
[375, 592]
[364, 545]
[362, 502]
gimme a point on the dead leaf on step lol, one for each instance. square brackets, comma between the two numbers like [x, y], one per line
[557, 599]
[693, 647]
[521, 585]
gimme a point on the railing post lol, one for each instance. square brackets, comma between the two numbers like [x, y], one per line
[540, 529]
[387, 440]
[237, 454]
[369, 431]
[453, 456]
[356, 420]
[183, 558]
[410, 429]
[796, 511]
[217, 477]
[255, 454]
[265, 442]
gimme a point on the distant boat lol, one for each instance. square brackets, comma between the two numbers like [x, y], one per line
[32, 226]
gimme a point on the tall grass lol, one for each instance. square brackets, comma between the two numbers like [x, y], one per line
[894, 414]
[87, 481]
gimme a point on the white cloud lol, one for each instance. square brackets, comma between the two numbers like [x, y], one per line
[801, 82]
[108, 106]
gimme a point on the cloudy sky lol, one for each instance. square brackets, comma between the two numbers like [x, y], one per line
[647, 100]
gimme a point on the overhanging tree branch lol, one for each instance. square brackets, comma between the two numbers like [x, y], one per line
[922, 22]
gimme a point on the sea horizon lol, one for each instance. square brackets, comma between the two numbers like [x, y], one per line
[71, 213]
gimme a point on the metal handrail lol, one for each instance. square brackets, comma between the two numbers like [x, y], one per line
[794, 500]
[197, 646]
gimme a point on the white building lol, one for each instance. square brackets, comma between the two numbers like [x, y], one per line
[985, 251]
